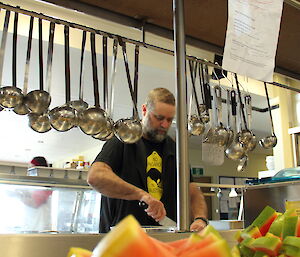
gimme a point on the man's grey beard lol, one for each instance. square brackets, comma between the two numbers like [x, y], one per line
[150, 133]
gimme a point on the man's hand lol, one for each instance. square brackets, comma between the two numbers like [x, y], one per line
[197, 225]
[155, 209]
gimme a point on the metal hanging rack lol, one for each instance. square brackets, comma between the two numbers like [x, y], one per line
[125, 39]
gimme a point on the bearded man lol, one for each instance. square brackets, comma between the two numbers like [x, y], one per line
[126, 174]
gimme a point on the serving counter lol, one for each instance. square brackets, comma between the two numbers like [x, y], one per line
[57, 245]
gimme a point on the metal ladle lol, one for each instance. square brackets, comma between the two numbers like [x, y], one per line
[230, 132]
[269, 141]
[236, 150]
[250, 146]
[196, 126]
[80, 105]
[245, 135]
[107, 132]
[63, 118]
[22, 109]
[129, 130]
[38, 101]
[93, 120]
[11, 96]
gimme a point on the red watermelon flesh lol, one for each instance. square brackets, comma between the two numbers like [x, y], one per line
[298, 228]
[265, 219]
[268, 245]
[216, 249]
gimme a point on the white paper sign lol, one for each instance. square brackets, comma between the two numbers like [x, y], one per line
[251, 37]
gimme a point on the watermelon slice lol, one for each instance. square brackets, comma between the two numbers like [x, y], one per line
[79, 252]
[245, 247]
[268, 245]
[235, 252]
[209, 229]
[250, 232]
[265, 219]
[277, 225]
[129, 239]
[290, 226]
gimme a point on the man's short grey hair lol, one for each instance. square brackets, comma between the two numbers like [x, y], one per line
[161, 95]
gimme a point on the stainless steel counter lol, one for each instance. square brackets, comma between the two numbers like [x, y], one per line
[57, 245]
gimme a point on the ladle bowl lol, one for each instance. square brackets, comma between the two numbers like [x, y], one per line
[38, 101]
[21, 109]
[92, 120]
[205, 117]
[108, 132]
[196, 126]
[250, 146]
[268, 142]
[39, 123]
[78, 105]
[230, 137]
[235, 152]
[62, 118]
[128, 131]
[220, 135]
[244, 136]
[10, 96]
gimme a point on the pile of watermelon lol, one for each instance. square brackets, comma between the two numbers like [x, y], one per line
[270, 234]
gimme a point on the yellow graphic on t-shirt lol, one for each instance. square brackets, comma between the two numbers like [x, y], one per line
[154, 169]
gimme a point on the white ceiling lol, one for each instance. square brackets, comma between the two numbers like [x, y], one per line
[20, 143]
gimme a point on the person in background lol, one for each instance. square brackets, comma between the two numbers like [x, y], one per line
[37, 202]
[126, 174]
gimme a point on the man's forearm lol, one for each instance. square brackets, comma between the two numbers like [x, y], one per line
[104, 180]
[198, 204]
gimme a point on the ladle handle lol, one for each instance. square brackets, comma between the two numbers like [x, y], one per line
[248, 106]
[193, 72]
[81, 64]
[200, 73]
[136, 75]
[240, 100]
[269, 108]
[95, 72]
[105, 73]
[113, 75]
[67, 63]
[41, 67]
[123, 45]
[228, 107]
[218, 95]
[28, 55]
[50, 55]
[3, 41]
[14, 53]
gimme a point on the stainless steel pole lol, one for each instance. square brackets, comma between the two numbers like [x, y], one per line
[181, 118]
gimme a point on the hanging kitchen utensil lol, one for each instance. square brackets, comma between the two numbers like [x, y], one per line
[243, 163]
[129, 130]
[212, 154]
[229, 129]
[80, 105]
[236, 150]
[196, 126]
[93, 120]
[11, 96]
[3, 45]
[40, 122]
[22, 109]
[250, 146]
[107, 132]
[38, 101]
[269, 141]
[245, 135]
[220, 132]
[63, 118]
[204, 88]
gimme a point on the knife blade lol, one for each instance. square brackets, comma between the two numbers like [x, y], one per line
[166, 221]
